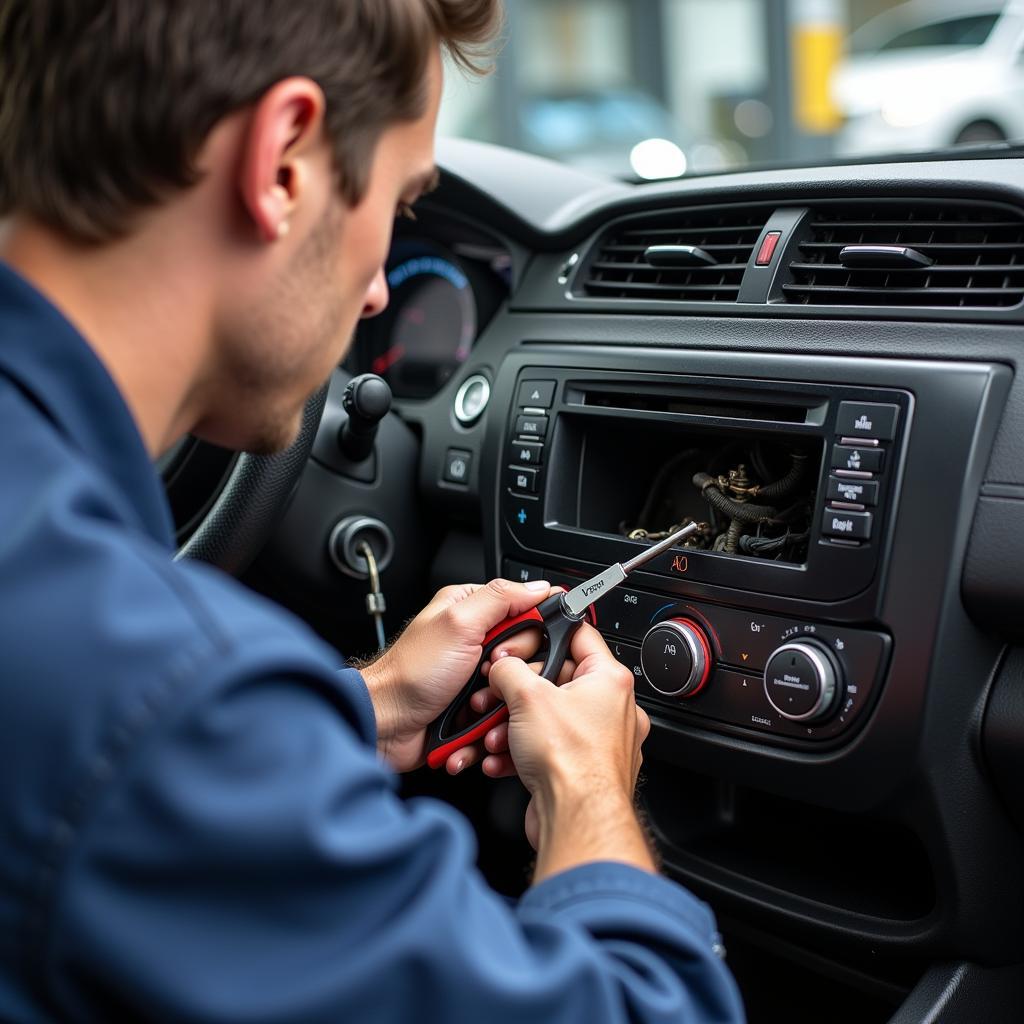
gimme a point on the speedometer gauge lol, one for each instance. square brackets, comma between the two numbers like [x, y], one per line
[430, 323]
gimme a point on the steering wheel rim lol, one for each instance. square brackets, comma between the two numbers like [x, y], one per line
[253, 499]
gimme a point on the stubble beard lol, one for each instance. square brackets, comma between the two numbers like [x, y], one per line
[294, 327]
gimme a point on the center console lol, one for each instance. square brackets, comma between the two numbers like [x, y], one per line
[769, 623]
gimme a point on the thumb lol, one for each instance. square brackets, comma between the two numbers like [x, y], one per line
[498, 600]
[512, 679]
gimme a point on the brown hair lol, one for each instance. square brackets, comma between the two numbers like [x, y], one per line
[105, 104]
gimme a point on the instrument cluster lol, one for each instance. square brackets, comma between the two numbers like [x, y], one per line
[442, 293]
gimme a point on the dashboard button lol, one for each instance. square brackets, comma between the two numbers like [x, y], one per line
[536, 394]
[854, 525]
[864, 460]
[629, 613]
[532, 426]
[867, 419]
[471, 399]
[862, 492]
[457, 464]
[527, 453]
[745, 639]
[524, 480]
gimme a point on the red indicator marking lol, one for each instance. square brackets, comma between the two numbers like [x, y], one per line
[384, 362]
[767, 250]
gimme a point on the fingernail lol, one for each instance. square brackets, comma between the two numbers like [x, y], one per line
[459, 765]
[538, 585]
[499, 655]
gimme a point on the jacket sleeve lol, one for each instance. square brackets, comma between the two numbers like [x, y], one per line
[251, 861]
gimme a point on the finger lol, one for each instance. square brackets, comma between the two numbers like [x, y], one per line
[568, 671]
[496, 741]
[453, 594]
[484, 607]
[587, 643]
[498, 766]
[531, 824]
[511, 678]
[462, 759]
[643, 723]
[523, 645]
[483, 700]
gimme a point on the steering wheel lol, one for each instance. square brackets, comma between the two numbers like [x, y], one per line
[237, 524]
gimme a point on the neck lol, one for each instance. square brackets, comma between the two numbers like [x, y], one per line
[143, 309]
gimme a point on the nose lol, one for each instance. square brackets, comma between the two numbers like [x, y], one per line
[376, 295]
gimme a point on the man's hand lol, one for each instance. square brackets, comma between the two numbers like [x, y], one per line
[417, 678]
[577, 750]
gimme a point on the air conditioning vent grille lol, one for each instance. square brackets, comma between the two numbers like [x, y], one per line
[619, 269]
[977, 251]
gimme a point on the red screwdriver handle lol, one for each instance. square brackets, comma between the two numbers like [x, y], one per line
[442, 741]
[443, 736]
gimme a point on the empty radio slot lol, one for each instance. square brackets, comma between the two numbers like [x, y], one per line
[721, 408]
[753, 493]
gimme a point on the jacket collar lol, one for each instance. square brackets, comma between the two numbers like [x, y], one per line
[49, 359]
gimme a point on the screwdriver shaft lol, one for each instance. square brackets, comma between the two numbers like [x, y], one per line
[663, 545]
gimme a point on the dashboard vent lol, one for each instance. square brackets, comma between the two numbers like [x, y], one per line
[722, 238]
[975, 253]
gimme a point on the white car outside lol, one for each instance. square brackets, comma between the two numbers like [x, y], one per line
[925, 97]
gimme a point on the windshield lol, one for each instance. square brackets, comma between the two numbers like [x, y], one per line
[644, 89]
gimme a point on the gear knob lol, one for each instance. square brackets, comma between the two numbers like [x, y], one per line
[367, 399]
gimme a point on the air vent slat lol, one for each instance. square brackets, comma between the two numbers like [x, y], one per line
[912, 223]
[960, 268]
[710, 247]
[951, 292]
[731, 229]
[711, 268]
[660, 290]
[940, 246]
[617, 267]
[977, 249]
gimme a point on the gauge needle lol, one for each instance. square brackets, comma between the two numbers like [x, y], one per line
[386, 360]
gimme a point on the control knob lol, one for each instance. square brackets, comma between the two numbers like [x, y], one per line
[676, 658]
[802, 681]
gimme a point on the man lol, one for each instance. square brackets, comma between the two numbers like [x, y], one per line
[195, 823]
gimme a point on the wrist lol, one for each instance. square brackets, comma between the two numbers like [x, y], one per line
[383, 685]
[588, 819]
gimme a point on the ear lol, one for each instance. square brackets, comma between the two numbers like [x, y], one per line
[285, 126]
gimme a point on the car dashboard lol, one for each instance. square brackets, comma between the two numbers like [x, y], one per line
[820, 367]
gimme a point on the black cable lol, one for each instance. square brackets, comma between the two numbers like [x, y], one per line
[744, 511]
[784, 486]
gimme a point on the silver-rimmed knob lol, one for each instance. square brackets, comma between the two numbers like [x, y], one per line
[471, 399]
[802, 681]
[676, 658]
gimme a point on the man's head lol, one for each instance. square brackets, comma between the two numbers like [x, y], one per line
[272, 139]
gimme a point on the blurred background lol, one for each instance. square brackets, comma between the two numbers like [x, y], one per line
[646, 89]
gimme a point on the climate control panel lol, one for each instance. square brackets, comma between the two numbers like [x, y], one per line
[727, 668]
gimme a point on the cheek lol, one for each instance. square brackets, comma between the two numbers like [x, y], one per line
[369, 244]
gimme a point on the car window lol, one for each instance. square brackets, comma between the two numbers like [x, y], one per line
[971, 31]
[635, 89]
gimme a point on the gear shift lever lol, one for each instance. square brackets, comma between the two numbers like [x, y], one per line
[367, 399]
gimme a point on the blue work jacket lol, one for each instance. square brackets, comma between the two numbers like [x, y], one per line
[194, 823]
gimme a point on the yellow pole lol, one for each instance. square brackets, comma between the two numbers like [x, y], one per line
[817, 39]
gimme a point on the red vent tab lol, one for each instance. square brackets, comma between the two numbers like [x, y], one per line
[767, 250]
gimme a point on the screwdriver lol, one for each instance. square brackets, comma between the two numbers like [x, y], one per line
[558, 616]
